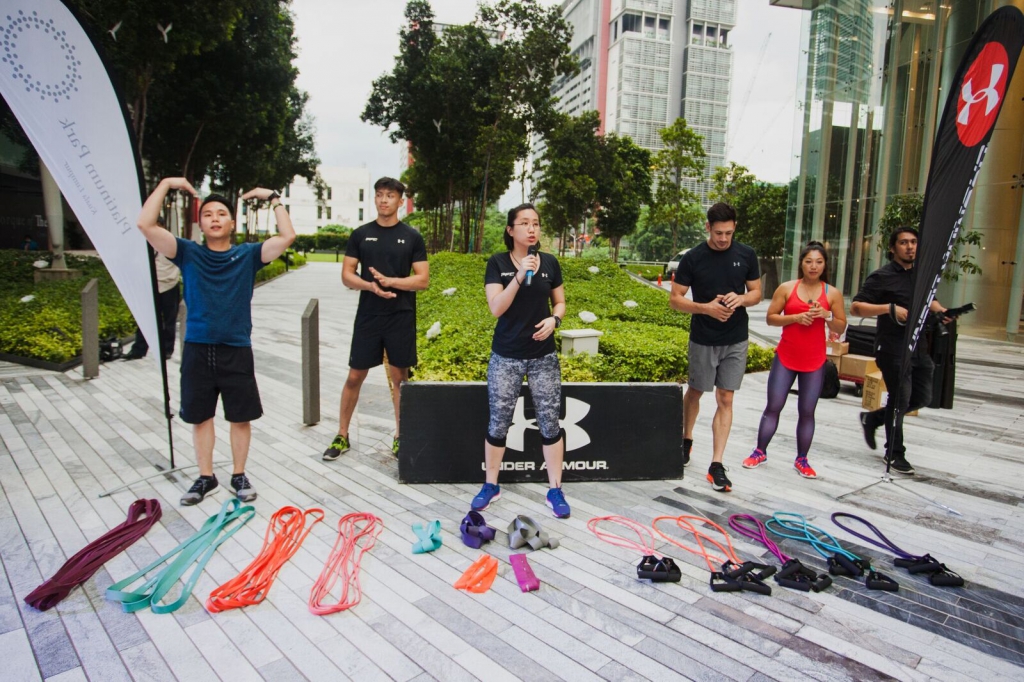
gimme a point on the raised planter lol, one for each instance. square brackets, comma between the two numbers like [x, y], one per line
[613, 432]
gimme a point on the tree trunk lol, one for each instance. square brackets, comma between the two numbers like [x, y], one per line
[615, 244]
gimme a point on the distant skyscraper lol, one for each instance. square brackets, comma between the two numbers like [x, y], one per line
[645, 63]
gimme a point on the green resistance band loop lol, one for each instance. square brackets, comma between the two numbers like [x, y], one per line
[197, 549]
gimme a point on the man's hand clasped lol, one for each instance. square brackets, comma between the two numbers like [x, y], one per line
[381, 283]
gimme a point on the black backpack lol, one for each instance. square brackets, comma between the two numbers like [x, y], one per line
[830, 384]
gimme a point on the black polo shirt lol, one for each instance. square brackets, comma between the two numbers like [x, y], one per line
[891, 283]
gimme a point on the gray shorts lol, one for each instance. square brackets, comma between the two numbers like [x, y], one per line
[717, 366]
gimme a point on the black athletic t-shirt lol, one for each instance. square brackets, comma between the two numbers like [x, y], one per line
[513, 335]
[709, 273]
[391, 251]
[891, 283]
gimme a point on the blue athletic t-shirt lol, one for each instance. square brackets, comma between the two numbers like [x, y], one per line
[218, 291]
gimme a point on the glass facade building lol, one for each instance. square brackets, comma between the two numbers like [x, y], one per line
[645, 63]
[874, 79]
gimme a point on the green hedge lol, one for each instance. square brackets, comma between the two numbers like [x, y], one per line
[49, 327]
[649, 272]
[645, 343]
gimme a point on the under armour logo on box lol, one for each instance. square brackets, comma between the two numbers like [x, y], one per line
[575, 436]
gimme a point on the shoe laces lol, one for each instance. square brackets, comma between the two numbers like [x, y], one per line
[556, 496]
[201, 486]
[240, 482]
[338, 443]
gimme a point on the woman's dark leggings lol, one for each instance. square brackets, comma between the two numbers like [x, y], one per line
[780, 380]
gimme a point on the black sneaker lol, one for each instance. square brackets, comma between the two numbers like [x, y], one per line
[869, 431]
[199, 490]
[686, 458]
[243, 488]
[901, 466]
[687, 446]
[717, 478]
[336, 449]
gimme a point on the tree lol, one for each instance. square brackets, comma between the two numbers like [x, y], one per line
[728, 181]
[761, 223]
[467, 101]
[624, 186]
[570, 169]
[152, 37]
[682, 158]
[907, 210]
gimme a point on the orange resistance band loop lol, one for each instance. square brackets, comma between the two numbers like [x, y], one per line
[643, 532]
[479, 576]
[288, 527]
[344, 563]
[686, 523]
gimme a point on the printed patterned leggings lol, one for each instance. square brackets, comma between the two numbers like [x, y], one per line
[504, 381]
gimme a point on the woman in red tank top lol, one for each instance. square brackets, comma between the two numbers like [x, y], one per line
[803, 308]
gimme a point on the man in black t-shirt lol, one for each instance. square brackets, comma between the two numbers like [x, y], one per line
[387, 250]
[886, 294]
[725, 278]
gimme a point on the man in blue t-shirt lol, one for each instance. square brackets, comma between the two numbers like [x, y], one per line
[217, 360]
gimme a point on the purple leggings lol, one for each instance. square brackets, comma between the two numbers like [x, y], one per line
[780, 380]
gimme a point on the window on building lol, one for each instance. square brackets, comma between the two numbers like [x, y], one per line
[649, 23]
[663, 32]
[360, 195]
[724, 40]
[328, 212]
[319, 212]
[360, 215]
[698, 34]
[287, 190]
[615, 31]
[631, 23]
[329, 196]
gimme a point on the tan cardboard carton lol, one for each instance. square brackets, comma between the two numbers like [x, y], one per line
[836, 348]
[874, 391]
[857, 366]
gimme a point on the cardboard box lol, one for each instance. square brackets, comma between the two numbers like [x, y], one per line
[874, 391]
[836, 348]
[857, 366]
[834, 359]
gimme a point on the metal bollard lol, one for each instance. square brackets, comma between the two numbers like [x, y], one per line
[311, 363]
[91, 330]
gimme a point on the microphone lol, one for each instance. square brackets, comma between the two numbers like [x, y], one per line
[528, 280]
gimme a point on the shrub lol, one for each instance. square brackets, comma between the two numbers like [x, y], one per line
[645, 343]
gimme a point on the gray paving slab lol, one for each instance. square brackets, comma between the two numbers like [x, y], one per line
[63, 440]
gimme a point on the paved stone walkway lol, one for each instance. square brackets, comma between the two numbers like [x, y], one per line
[64, 440]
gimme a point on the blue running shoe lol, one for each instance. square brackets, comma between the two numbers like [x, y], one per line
[556, 500]
[489, 493]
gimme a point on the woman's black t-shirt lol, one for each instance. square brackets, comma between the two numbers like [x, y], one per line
[513, 335]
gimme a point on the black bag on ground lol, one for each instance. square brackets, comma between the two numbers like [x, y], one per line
[830, 384]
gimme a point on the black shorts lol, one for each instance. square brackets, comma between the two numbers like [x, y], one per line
[211, 370]
[374, 335]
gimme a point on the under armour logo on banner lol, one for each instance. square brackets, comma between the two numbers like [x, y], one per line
[981, 94]
[575, 436]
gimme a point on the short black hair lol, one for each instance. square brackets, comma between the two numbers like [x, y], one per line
[721, 213]
[391, 184]
[220, 199]
[900, 230]
[512, 215]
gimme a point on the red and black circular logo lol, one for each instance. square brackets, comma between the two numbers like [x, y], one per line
[981, 93]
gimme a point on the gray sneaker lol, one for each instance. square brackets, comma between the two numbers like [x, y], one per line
[198, 491]
[243, 488]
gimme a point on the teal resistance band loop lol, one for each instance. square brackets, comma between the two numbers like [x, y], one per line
[795, 527]
[429, 537]
[200, 547]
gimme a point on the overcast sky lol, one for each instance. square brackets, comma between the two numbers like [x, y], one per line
[345, 44]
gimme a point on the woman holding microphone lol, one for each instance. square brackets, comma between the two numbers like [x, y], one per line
[524, 291]
[802, 307]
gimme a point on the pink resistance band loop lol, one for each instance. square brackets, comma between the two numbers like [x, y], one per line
[142, 514]
[528, 582]
[344, 563]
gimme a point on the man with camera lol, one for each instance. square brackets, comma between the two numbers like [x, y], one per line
[886, 294]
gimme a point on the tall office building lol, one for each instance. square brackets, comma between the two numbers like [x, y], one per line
[645, 63]
[875, 77]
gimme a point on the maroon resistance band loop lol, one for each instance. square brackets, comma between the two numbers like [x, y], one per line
[142, 514]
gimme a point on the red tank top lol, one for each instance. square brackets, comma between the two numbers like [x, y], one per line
[802, 349]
